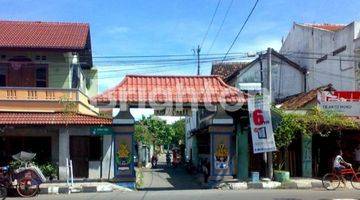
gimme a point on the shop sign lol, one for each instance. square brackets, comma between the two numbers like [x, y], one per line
[101, 131]
[261, 125]
[344, 102]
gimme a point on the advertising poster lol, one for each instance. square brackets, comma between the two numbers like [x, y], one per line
[261, 125]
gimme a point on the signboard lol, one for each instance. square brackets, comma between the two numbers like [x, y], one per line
[173, 112]
[344, 102]
[101, 130]
[261, 125]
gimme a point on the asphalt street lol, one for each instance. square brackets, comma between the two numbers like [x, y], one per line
[209, 195]
[175, 184]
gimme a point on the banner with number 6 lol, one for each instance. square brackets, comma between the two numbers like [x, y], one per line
[261, 127]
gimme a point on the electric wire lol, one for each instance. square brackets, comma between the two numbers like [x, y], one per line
[221, 26]
[210, 24]
[241, 29]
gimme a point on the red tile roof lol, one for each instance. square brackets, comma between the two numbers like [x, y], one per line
[170, 89]
[298, 101]
[224, 70]
[328, 27]
[33, 118]
[43, 35]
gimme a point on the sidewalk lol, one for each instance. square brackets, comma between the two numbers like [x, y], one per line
[86, 187]
[294, 183]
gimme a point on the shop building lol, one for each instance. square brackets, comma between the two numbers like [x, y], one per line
[46, 79]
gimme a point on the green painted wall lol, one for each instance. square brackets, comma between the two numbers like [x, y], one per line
[306, 147]
[92, 85]
[243, 154]
[59, 76]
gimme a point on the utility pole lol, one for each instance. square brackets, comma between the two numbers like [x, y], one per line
[269, 156]
[197, 51]
[261, 74]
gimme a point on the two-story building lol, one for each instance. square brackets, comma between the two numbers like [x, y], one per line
[46, 79]
[330, 52]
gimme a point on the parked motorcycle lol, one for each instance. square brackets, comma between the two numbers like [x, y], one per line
[26, 179]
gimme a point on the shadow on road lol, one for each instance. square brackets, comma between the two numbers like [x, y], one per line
[169, 178]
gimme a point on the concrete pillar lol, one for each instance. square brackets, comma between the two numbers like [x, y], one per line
[64, 153]
[243, 155]
[306, 147]
[108, 157]
[221, 160]
[123, 126]
[55, 147]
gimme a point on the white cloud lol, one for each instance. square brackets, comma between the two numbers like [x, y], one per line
[118, 29]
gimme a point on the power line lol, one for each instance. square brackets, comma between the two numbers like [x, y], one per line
[161, 55]
[221, 25]
[211, 22]
[241, 29]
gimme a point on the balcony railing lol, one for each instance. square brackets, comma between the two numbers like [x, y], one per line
[43, 98]
[40, 94]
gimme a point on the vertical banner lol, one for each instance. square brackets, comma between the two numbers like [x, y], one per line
[123, 156]
[261, 125]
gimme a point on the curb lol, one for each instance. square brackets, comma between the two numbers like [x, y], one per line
[69, 190]
[269, 185]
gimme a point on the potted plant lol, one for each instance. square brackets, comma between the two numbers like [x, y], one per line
[49, 170]
[285, 133]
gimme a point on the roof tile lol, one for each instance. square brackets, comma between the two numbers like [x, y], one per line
[181, 89]
[34, 118]
[47, 35]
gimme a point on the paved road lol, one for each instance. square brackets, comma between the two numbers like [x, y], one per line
[208, 195]
[168, 178]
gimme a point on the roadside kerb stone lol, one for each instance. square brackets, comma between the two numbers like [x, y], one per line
[289, 185]
[255, 185]
[316, 185]
[105, 188]
[239, 186]
[89, 189]
[271, 185]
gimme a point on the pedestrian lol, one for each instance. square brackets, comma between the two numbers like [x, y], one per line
[154, 160]
[206, 170]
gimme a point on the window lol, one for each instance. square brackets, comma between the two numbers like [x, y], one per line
[3, 72]
[321, 59]
[41, 77]
[339, 50]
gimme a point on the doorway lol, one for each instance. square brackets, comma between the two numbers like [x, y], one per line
[84, 149]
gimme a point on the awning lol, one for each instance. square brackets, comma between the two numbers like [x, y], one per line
[33, 118]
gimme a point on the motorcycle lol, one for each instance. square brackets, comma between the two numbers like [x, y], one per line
[26, 179]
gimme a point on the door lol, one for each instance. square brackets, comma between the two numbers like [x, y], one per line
[79, 154]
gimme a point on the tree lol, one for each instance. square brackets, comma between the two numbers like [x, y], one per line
[152, 130]
[179, 129]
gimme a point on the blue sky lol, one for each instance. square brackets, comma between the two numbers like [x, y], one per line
[152, 27]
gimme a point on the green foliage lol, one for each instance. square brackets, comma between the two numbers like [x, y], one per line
[314, 122]
[49, 170]
[15, 164]
[179, 129]
[288, 129]
[152, 130]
